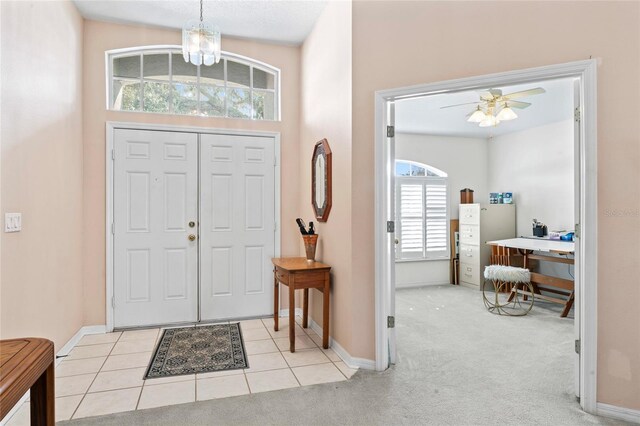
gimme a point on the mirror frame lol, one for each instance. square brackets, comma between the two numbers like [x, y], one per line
[321, 149]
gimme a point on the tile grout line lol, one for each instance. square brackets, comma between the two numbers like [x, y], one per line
[296, 377]
[96, 376]
[144, 381]
[341, 372]
[139, 398]
[322, 349]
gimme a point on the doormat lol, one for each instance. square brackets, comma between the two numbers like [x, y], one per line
[190, 350]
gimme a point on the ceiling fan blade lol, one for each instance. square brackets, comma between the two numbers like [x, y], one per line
[489, 94]
[524, 93]
[468, 103]
[516, 104]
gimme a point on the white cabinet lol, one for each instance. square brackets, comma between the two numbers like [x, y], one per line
[480, 223]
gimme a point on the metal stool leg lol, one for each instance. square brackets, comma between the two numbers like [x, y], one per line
[514, 299]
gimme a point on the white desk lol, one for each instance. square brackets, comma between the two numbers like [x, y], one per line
[538, 244]
[556, 285]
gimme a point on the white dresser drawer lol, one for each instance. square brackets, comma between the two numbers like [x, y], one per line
[470, 254]
[470, 273]
[469, 214]
[469, 234]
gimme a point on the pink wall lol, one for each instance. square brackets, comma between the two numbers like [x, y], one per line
[326, 113]
[404, 43]
[100, 37]
[41, 133]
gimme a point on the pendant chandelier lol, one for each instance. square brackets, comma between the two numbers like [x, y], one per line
[200, 42]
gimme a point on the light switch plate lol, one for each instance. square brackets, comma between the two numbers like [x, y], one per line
[12, 222]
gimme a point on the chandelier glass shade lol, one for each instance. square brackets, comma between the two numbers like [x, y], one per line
[201, 42]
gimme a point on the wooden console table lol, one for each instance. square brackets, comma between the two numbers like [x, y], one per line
[296, 273]
[556, 285]
[28, 364]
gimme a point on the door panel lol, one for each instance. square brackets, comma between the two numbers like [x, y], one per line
[237, 214]
[155, 196]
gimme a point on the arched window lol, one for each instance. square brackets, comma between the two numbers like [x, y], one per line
[157, 79]
[422, 212]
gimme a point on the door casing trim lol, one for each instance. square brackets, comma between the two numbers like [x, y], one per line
[111, 126]
[586, 299]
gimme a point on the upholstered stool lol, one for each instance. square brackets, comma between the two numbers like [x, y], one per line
[503, 277]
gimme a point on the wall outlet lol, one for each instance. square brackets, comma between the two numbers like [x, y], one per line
[12, 222]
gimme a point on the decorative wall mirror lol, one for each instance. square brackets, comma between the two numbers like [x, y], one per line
[321, 180]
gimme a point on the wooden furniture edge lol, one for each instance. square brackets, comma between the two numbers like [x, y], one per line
[23, 375]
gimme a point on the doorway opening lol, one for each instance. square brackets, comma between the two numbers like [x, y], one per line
[420, 203]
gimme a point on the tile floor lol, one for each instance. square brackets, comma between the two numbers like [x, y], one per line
[103, 373]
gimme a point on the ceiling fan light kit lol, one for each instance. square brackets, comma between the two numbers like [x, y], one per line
[201, 42]
[489, 121]
[477, 116]
[506, 114]
[493, 100]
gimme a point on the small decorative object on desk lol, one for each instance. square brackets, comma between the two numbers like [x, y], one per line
[310, 239]
[539, 229]
[508, 198]
[310, 244]
[466, 196]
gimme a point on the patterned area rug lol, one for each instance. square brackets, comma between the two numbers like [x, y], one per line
[190, 350]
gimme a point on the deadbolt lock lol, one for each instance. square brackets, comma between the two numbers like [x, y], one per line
[192, 237]
[192, 224]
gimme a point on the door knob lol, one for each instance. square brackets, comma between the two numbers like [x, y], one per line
[397, 241]
[192, 237]
[192, 224]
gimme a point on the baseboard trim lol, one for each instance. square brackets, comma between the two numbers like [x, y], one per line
[285, 312]
[86, 330]
[619, 413]
[420, 284]
[64, 351]
[350, 361]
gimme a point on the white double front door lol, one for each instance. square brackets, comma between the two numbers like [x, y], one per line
[193, 225]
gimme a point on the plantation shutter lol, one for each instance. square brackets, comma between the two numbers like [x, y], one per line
[411, 219]
[436, 217]
[421, 211]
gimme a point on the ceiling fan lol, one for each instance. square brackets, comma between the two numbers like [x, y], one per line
[495, 107]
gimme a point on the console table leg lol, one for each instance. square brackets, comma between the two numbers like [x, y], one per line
[305, 309]
[43, 399]
[325, 312]
[276, 301]
[292, 315]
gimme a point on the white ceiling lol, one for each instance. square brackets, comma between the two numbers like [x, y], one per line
[283, 21]
[424, 115]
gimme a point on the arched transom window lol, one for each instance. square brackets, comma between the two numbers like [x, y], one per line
[157, 79]
[422, 212]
